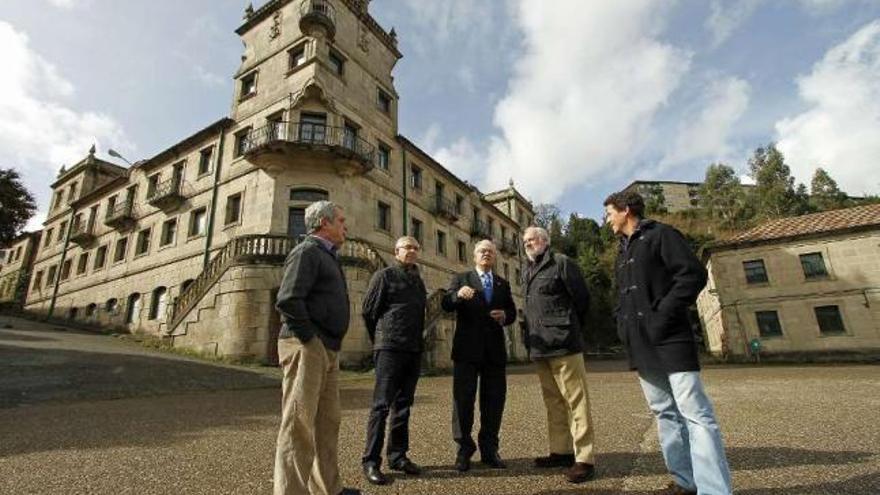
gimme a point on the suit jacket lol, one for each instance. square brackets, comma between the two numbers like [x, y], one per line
[479, 338]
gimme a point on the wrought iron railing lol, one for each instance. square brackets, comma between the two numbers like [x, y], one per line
[510, 246]
[166, 189]
[307, 133]
[119, 212]
[318, 8]
[481, 229]
[444, 207]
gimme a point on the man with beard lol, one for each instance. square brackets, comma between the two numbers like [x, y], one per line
[483, 306]
[394, 314]
[556, 309]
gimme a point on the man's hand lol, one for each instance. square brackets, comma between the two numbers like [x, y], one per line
[466, 293]
[498, 315]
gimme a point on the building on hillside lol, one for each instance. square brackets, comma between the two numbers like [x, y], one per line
[15, 268]
[677, 196]
[189, 244]
[807, 284]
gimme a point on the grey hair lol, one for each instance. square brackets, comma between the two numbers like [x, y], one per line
[485, 241]
[317, 211]
[540, 231]
[403, 241]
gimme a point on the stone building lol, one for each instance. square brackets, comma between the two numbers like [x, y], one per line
[15, 268]
[678, 196]
[807, 284]
[189, 244]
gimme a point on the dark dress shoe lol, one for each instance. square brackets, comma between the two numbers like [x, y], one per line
[350, 491]
[493, 461]
[374, 475]
[555, 460]
[407, 466]
[580, 472]
[462, 463]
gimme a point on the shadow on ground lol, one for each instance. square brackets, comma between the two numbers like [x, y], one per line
[618, 464]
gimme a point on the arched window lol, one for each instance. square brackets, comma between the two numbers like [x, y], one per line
[91, 309]
[111, 305]
[158, 303]
[133, 308]
[72, 313]
[308, 194]
[185, 285]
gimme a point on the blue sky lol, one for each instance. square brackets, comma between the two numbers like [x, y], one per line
[572, 99]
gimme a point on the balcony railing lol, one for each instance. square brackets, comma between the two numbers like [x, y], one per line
[339, 140]
[317, 13]
[120, 215]
[480, 229]
[166, 194]
[509, 246]
[82, 233]
[443, 207]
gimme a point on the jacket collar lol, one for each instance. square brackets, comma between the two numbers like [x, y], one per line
[539, 264]
[644, 224]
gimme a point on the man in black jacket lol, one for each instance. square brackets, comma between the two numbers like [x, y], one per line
[556, 309]
[394, 314]
[313, 302]
[658, 278]
[483, 306]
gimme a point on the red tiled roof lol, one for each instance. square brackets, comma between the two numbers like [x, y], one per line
[844, 219]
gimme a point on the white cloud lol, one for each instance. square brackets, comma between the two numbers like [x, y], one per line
[209, 78]
[584, 93]
[727, 16]
[464, 159]
[709, 122]
[64, 4]
[38, 132]
[840, 131]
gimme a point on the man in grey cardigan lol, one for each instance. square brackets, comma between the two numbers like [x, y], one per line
[314, 307]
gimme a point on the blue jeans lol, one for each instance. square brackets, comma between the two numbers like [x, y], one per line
[689, 435]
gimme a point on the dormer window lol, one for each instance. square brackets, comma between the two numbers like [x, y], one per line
[248, 85]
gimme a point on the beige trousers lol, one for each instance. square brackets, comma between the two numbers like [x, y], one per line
[306, 452]
[569, 424]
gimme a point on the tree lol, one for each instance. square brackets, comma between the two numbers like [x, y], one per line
[549, 217]
[722, 197]
[655, 200]
[17, 205]
[825, 195]
[774, 194]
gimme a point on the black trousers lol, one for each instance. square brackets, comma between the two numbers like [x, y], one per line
[397, 373]
[492, 381]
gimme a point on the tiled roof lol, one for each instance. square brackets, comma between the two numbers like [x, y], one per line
[826, 222]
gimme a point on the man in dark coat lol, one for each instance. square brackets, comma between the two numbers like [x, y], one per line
[483, 306]
[394, 314]
[658, 278]
[556, 311]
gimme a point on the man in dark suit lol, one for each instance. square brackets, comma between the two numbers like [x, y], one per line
[483, 306]
[658, 277]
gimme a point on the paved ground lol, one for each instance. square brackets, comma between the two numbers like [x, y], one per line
[91, 414]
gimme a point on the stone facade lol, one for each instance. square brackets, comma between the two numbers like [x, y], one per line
[185, 244]
[816, 293]
[15, 268]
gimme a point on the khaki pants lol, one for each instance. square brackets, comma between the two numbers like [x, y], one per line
[306, 453]
[564, 387]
